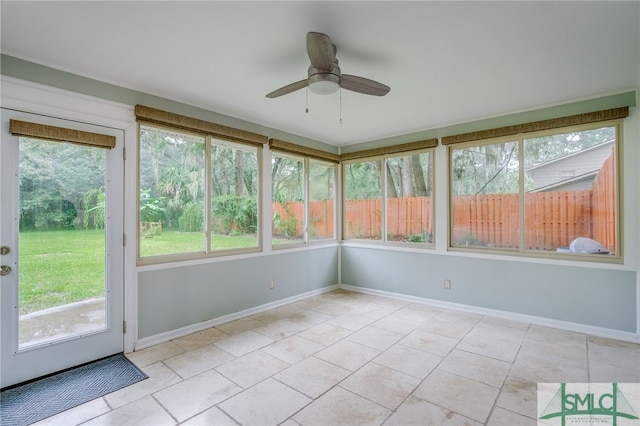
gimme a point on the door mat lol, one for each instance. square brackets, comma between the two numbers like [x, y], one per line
[42, 398]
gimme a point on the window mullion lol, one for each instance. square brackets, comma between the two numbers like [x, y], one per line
[306, 209]
[384, 198]
[521, 190]
[208, 172]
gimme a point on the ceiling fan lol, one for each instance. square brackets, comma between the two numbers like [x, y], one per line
[324, 76]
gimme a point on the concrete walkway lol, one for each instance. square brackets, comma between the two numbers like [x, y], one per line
[62, 321]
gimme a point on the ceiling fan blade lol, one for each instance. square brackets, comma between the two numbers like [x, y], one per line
[363, 85]
[321, 51]
[288, 88]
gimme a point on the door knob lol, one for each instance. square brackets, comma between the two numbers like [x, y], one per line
[5, 270]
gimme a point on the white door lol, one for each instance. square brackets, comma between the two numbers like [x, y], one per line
[61, 232]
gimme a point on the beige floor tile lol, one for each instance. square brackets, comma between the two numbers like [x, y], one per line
[562, 352]
[381, 385]
[505, 322]
[448, 327]
[252, 368]
[267, 403]
[461, 395]
[607, 351]
[308, 318]
[153, 354]
[349, 355]
[493, 347]
[429, 342]
[374, 337]
[339, 407]
[555, 336]
[607, 373]
[519, 396]
[145, 411]
[417, 412]
[501, 417]
[325, 334]
[77, 415]
[313, 376]
[459, 316]
[192, 396]
[399, 323]
[425, 310]
[333, 309]
[160, 377]
[538, 369]
[280, 329]
[293, 349]
[413, 362]
[276, 314]
[360, 356]
[499, 332]
[243, 343]
[240, 326]
[289, 422]
[194, 362]
[352, 321]
[211, 417]
[476, 367]
[202, 338]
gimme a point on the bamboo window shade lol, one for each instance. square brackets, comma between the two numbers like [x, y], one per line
[60, 134]
[555, 123]
[387, 150]
[293, 148]
[153, 116]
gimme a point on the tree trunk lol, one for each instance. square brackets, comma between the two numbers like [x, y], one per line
[418, 177]
[392, 191]
[407, 182]
[239, 172]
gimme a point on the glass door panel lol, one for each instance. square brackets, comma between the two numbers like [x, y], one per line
[62, 241]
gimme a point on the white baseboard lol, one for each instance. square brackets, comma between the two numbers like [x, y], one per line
[547, 322]
[194, 328]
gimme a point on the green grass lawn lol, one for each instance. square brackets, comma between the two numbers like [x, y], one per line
[61, 267]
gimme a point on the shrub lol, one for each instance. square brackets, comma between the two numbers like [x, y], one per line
[234, 214]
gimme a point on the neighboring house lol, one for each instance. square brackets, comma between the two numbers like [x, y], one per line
[572, 172]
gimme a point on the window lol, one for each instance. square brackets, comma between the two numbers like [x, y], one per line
[553, 192]
[303, 194]
[287, 193]
[322, 195]
[197, 194]
[405, 182]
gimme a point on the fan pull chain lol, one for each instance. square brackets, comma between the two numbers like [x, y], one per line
[341, 105]
[306, 91]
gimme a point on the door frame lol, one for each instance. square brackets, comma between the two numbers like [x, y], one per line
[25, 96]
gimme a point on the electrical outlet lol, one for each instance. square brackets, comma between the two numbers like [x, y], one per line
[271, 284]
[447, 284]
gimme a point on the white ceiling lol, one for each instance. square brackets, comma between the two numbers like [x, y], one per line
[446, 62]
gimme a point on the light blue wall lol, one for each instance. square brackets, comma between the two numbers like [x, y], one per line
[176, 297]
[586, 295]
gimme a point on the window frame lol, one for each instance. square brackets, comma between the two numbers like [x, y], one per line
[306, 162]
[208, 251]
[522, 251]
[384, 240]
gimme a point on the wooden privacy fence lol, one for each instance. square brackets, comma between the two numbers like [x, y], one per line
[552, 219]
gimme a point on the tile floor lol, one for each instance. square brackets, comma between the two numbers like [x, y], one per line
[344, 358]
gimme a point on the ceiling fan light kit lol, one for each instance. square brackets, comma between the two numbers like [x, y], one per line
[324, 76]
[324, 84]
